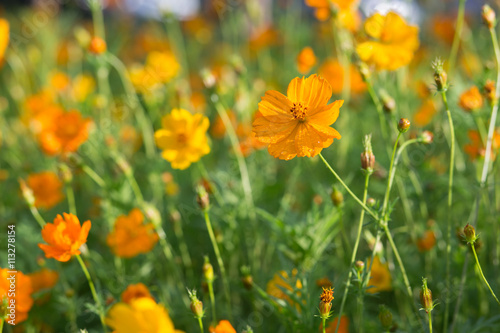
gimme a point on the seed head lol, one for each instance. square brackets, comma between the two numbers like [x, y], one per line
[426, 297]
[440, 76]
[470, 234]
[337, 197]
[196, 305]
[385, 317]
[367, 157]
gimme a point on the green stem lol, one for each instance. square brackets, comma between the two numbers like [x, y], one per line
[398, 259]
[391, 179]
[354, 251]
[456, 38]
[201, 324]
[38, 218]
[218, 256]
[380, 110]
[92, 174]
[324, 324]
[1, 325]
[71, 199]
[93, 291]
[212, 300]
[430, 321]
[368, 210]
[482, 275]
[95, 7]
[450, 201]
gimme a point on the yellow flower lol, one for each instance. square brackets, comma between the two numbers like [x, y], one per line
[380, 279]
[347, 11]
[298, 124]
[394, 42]
[4, 38]
[160, 68]
[183, 138]
[141, 315]
[135, 291]
[130, 237]
[47, 189]
[83, 85]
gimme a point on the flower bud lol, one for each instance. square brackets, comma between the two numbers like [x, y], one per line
[208, 271]
[364, 70]
[247, 278]
[490, 91]
[196, 305]
[202, 198]
[27, 193]
[97, 46]
[385, 317]
[489, 16]
[359, 265]
[470, 234]
[337, 197]
[426, 296]
[426, 137]
[367, 157]
[403, 125]
[248, 329]
[440, 76]
[325, 304]
[388, 102]
[370, 202]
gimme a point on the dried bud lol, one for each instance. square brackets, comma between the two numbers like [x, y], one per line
[364, 70]
[426, 137]
[97, 46]
[202, 198]
[337, 197]
[489, 17]
[325, 304]
[27, 193]
[208, 271]
[65, 173]
[385, 317]
[403, 125]
[440, 76]
[470, 234]
[359, 265]
[426, 297]
[490, 91]
[367, 157]
[196, 305]
[388, 102]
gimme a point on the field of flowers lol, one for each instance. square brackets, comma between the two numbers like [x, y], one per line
[261, 166]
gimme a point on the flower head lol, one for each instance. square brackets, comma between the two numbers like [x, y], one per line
[4, 37]
[306, 60]
[298, 124]
[183, 138]
[333, 71]
[325, 304]
[43, 279]
[47, 189]
[130, 237]
[380, 276]
[22, 296]
[394, 42]
[135, 291]
[224, 326]
[64, 237]
[476, 147]
[471, 100]
[282, 281]
[427, 241]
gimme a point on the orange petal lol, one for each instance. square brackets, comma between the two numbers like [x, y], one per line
[314, 91]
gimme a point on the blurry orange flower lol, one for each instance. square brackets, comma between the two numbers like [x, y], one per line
[306, 60]
[394, 42]
[135, 291]
[218, 129]
[298, 124]
[4, 38]
[477, 149]
[343, 327]
[427, 241]
[443, 27]
[224, 326]
[140, 315]
[43, 279]
[183, 138]
[425, 113]
[380, 279]
[47, 189]
[59, 81]
[130, 237]
[333, 72]
[262, 39]
[346, 11]
[64, 237]
[281, 281]
[67, 132]
[471, 100]
[22, 297]
[97, 45]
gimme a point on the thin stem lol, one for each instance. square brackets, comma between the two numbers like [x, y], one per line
[456, 38]
[71, 199]
[218, 256]
[93, 291]
[398, 259]
[2, 321]
[368, 210]
[482, 275]
[92, 174]
[430, 321]
[380, 110]
[324, 324]
[212, 300]
[38, 218]
[354, 251]
[391, 179]
[450, 201]
[201, 324]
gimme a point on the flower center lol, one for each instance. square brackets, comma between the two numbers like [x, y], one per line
[299, 111]
[182, 138]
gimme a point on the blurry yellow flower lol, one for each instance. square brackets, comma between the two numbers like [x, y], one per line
[83, 85]
[298, 124]
[183, 138]
[134, 291]
[21, 298]
[425, 113]
[333, 72]
[160, 68]
[141, 315]
[43, 279]
[47, 189]
[394, 42]
[380, 277]
[306, 60]
[130, 237]
[59, 81]
[346, 11]
[471, 100]
[281, 281]
[4, 38]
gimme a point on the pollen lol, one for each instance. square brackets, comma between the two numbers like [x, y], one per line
[299, 111]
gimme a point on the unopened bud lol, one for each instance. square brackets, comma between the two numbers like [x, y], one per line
[426, 137]
[370, 202]
[325, 304]
[97, 46]
[489, 16]
[403, 125]
[385, 317]
[208, 271]
[337, 197]
[440, 76]
[247, 278]
[359, 265]
[470, 234]
[388, 102]
[426, 296]
[202, 198]
[196, 305]
[367, 157]
[27, 193]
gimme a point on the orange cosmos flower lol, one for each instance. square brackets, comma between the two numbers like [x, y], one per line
[298, 124]
[477, 149]
[135, 291]
[425, 113]
[346, 11]
[59, 81]
[4, 38]
[224, 326]
[427, 241]
[65, 134]
[394, 42]
[333, 72]
[183, 138]
[43, 279]
[64, 237]
[282, 281]
[343, 327]
[306, 60]
[140, 315]
[47, 189]
[471, 100]
[130, 237]
[380, 279]
[22, 297]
